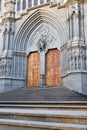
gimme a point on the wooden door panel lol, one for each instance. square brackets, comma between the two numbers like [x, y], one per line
[53, 75]
[33, 75]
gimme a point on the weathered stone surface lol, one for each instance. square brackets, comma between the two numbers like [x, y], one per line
[40, 26]
[42, 94]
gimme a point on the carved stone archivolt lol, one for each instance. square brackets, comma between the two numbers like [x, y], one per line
[43, 37]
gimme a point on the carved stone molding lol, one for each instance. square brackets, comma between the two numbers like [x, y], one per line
[43, 36]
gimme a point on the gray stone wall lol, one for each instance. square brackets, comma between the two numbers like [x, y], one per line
[53, 25]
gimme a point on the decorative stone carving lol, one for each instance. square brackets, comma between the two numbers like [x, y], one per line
[8, 27]
[43, 36]
[4, 65]
[41, 45]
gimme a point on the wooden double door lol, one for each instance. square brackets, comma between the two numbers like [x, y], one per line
[52, 67]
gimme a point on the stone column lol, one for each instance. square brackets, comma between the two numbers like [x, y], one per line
[77, 62]
[26, 3]
[6, 40]
[45, 1]
[81, 22]
[21, 4]
[70, 28]
[42, 68]
[38, 2]
[81, 61]
[81, 28]
[32, 3]
[11, 40]
[16, 6]
[74, 26]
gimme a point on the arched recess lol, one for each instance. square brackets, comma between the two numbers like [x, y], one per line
[33, 21]
[41, 18]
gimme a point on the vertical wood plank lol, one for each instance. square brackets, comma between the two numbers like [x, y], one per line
[53, 73]
[33, 74]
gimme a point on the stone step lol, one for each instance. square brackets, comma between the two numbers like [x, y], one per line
[42, 94]
[56, 116]
[38, 125]
[82, 106]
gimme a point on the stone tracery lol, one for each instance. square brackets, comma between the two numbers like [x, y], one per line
[44, 33]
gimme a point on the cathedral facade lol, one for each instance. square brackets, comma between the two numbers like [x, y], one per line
[43, 43]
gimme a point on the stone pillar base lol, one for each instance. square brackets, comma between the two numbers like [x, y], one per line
[42, 80]
[76, 81]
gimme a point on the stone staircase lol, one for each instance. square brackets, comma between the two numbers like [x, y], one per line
[42, 94]
[58, 116]
[52, 108]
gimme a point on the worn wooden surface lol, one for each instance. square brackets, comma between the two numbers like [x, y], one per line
[33, 74]
[53, 75]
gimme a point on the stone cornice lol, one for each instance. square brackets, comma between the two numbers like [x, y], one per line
[9, 12]
[70, 2]
[7, 19]
[73, 72]
[73, 1]
[9, 1]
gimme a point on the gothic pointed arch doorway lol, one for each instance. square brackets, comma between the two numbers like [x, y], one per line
[33, 69]
[52, 30]
[53, 72]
